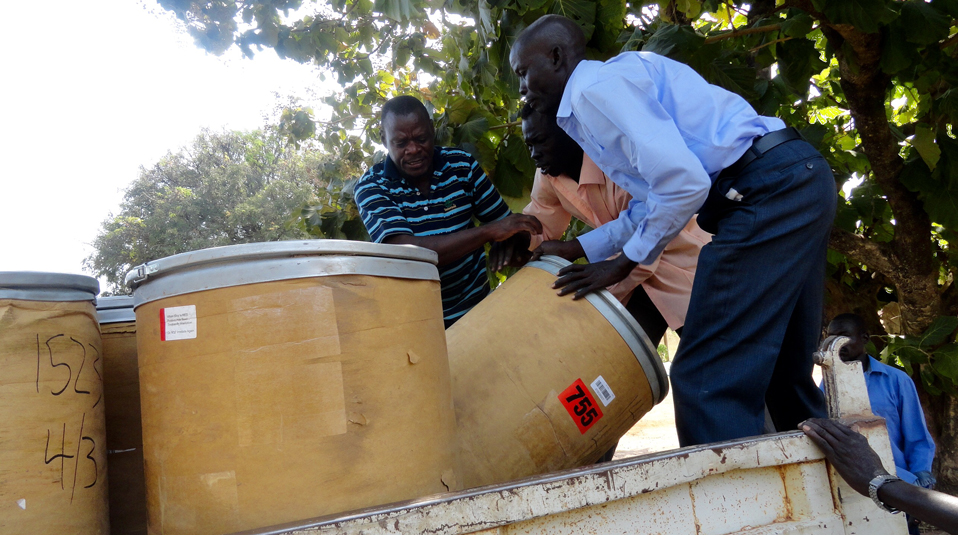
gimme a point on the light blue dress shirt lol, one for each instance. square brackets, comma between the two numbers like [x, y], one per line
[893, 397]
[662, 133]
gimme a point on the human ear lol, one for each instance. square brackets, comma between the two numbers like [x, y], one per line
[556, 55]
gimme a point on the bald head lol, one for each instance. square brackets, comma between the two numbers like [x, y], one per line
[543, 57]
[554, 31]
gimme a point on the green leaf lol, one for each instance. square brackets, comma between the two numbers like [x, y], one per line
[398, 10]
[609, 23]
[938, 191]
[815, 134]
[581, 11]
[865, 15]
[923, 23]
[945, 361]
[948, 104]
[675, 41]
[515, 169]
[911, 355]
[929, 380]
[897, 54]
[924, 143]
[471, 130]
[798, 25]
[939, 331]
[798, 60]
[460, 109]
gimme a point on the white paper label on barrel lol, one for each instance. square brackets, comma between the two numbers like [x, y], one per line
[178, 323]
[602, 389]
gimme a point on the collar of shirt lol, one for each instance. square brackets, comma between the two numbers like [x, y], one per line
[582, 75]
[391, 170]
[877, 366]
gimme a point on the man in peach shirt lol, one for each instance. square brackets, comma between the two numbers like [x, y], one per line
[568, 184]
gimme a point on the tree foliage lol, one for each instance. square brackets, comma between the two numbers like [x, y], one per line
[226, 188]
[873, 84]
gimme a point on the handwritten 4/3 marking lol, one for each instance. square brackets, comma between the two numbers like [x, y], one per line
[63, 456]
[61, 347]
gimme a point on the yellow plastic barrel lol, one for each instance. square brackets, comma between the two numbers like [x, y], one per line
[544, 383]
[121, 396]
[288, 380]
[53, 476]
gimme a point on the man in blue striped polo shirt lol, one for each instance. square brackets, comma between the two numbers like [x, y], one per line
[425, 195]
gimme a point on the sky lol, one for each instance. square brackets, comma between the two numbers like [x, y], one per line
[93, 91]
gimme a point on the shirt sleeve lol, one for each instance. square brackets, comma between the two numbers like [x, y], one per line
[544, 205]
[641, 143]
[487, 205]
[380, 213]
[919, 447]
[610, 238]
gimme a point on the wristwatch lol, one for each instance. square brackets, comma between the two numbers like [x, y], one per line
[876, 484]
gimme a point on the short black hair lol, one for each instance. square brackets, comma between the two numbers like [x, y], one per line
[555, 30]
[852, 320]
[404, 105]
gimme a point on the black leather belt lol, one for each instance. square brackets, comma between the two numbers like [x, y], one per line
[760, 146]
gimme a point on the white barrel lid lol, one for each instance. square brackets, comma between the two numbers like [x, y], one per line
[250, 263]
[115, 309]
[43, 286]
[623, 322]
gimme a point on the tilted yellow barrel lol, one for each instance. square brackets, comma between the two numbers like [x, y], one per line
[53, 477]
[544, 383]
[288, 380]
[121, 395]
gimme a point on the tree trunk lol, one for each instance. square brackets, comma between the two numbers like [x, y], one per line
[941, 413]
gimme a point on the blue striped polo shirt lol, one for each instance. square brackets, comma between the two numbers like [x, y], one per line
[459, 192]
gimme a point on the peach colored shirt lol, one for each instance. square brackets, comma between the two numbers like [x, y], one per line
[596, 200]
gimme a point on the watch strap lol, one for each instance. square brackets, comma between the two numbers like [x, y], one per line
[876, 484]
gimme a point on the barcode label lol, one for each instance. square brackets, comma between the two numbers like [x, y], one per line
[600, 387]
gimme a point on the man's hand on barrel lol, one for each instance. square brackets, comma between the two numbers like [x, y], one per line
[583, 279]
[571, 250]
[511, 225]
[512, 252]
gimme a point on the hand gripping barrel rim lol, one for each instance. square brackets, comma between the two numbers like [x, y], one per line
[624, 324]
[251, 263]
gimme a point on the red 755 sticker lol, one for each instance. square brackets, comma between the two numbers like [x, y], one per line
[581, 405]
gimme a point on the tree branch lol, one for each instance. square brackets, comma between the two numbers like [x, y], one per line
[875, 255]
[746, 31]
[506, 125]
[948, 42]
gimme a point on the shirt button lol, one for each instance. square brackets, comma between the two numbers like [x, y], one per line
[425, 209]
[809, 165]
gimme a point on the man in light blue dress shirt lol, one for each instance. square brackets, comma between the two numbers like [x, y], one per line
[680, 145]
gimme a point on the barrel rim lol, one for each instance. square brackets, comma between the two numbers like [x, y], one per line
[271, 250]
[281, 263]
[623, 322]
[115, 309]
[47, 286]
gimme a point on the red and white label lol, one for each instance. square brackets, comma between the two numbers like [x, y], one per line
[581, 405]
[178, 323]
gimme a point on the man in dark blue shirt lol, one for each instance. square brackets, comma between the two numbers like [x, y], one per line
[428, 196]
[893, 397]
